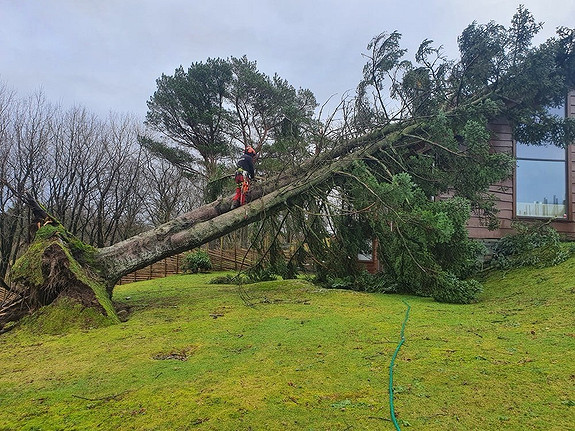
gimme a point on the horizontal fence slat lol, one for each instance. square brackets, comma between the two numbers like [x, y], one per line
[222, 260]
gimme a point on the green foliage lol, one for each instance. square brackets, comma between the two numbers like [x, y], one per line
[415, 195]
[543, 127]
[482, 48]
[216, 108]
[337, 257]
[497, 64]
[216, 184]
[418, 238]
[362, 282]
[260, 273]
[188, 106]
[197, 261]
[533, 244]
[449, 288]
[385, 56]
[565, 56]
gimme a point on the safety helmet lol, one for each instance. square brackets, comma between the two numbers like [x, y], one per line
[249, 150]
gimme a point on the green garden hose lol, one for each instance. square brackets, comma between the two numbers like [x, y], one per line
[401, 340]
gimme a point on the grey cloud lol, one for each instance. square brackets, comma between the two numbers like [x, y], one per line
[107, 55]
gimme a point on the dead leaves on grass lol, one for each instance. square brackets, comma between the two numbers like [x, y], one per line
[176, 354]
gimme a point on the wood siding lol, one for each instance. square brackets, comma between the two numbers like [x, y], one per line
[501, 142]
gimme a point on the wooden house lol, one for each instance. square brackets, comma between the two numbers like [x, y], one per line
[542, 186]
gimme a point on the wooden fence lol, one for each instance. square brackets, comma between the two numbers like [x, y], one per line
[234, 259]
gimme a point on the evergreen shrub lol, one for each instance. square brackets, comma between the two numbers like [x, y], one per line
[453, 290]
[197, 261]
[362, 282]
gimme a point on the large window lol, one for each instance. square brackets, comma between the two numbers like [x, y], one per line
[541, 179]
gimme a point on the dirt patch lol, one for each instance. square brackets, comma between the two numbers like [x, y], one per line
[176, 354]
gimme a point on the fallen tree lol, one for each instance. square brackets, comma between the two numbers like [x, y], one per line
[392, 171]
[214, 220]
[59, 265]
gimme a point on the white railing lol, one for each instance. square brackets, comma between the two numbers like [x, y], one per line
[537, 209]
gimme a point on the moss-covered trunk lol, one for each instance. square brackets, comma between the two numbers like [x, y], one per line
[56, 265]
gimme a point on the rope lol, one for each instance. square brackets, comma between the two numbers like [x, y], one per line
[401, 341]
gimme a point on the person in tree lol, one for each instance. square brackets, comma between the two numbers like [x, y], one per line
[244, 173]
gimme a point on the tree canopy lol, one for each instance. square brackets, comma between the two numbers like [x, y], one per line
[218, 107]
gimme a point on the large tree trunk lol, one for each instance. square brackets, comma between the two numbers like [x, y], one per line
[200, 226]
[214, 220]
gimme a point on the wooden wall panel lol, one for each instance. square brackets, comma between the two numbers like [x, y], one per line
[501, 142]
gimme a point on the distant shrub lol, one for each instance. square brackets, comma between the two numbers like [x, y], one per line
[339, 282]
[260, 273]
[197, 261]
[223, 279]
[533, 245]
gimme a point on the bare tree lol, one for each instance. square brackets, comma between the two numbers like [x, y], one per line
[74, 159]
[167, 193]
[8, 225]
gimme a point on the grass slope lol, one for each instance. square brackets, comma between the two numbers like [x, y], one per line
[290, 356]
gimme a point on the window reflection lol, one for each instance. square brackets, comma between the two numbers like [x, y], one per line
[541, 188]
[541, 178]
[366, 254]
[546, 152]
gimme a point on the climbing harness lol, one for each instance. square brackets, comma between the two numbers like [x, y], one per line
[245, 186]
[242, 187]
[401, 341]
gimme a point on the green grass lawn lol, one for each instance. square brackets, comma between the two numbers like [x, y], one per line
[287, 355]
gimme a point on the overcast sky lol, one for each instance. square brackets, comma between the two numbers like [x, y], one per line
[106, 55]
